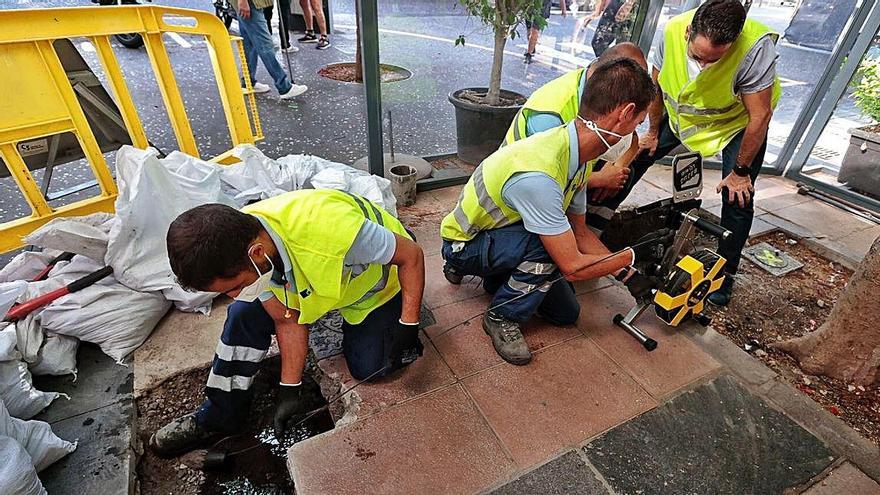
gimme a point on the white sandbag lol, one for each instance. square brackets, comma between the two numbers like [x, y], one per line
[18, 393]
[17, 475]
[8, 352]
[43, 447]
[29, 337]
[256, 177]
[56, 357]
[152, 193]
[26, 265]
[9, 294]
[87, 235]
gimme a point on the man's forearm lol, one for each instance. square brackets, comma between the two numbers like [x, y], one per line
[655, 109]
[293, 342]
[587, 241]
[412, 288]
[753, 139]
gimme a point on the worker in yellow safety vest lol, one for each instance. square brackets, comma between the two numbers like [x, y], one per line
[519, 222]
[716, 71]
[557, 103]
[286, 269]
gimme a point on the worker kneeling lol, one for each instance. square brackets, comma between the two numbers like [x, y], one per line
[519, 223]
[287, 261]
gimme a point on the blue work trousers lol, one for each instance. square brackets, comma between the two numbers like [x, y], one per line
[734, 218]
[258, 44]
[515, 268]
[245, 341]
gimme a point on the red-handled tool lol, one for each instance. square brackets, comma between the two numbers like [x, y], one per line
[65, 256]
[21, 310]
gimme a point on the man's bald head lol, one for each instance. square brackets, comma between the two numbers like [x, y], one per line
[622, 50]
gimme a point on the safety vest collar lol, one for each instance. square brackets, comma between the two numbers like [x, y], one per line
[287, 269]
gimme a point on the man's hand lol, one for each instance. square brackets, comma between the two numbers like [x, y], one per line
[405, 345]
[648, 141]
[294, 401]
[648, 246]
[739, 189]
[611, 176]
[244, 9]
[640, 286]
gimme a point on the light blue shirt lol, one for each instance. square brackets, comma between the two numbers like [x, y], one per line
[373, 244]
[538, 199]
[539, 122]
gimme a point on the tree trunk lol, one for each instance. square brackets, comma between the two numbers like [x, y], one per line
[847, 345]
[358, 63]
[493, 97]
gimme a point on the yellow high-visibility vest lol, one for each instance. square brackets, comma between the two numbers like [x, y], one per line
[559, 97]
[481, 207]
[317, 228]
[705, 113]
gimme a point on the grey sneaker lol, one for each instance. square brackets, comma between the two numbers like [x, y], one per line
[180, 436]
[507, 339]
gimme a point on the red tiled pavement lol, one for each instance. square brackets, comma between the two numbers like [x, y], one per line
[467, 349]
[439, 292]
[567, 394]
[426, 374]
[438, 443]
[673, 364]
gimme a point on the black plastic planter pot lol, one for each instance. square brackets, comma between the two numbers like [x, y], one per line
[480, 129]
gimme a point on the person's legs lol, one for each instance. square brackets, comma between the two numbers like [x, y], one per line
[534, 34]
[251, 54]
[367, 346]
[244, 343]
[246, 337]
[283, 26]
[736, 219]
[604, 35]
[254, 28]
[560, 306]
[318, 11]
[306, 7]
[599, 214]
[267, 13]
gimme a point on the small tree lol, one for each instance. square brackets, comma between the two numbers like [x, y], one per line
[847, 345]
[867, 88]
[502, 16]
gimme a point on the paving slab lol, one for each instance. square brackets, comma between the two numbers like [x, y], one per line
[439, 292]
[823, 218]
[467, 349]
[717, 435]
[567, 474]
[567, 394]
[675, 362]
[859, 243]
[426, 374]
[438, 443]
[747, 368]
[100, 416]
[845, 478]
[180, 342]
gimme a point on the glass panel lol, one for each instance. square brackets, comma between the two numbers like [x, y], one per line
[847, 154]
[809, 33]
[420, 37]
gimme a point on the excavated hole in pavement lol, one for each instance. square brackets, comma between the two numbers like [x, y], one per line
[259, 471]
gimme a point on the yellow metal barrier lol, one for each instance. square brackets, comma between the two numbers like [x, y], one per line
[38, 100]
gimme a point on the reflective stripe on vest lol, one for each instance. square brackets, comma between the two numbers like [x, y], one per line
[317, 253]
[559, 98]
[480, 205]
[704, 112]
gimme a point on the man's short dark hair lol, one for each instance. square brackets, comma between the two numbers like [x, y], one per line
[210, 242]
[616, 82]
[719, 20]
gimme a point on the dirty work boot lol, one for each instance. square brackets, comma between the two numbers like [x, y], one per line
[507, 338]
[452, 274]
[180, 436]
[722, 296]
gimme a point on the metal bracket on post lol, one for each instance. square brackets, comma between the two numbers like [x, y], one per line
[369, 26]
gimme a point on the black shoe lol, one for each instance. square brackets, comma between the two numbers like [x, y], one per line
[308, 38]
[452, 275]
[323, 43]
[527, 58]
[181, 436]
[722, 296]
[507, 339]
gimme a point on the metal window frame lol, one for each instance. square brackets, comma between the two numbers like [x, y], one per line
[809, 110]
[369, 27]
[829, 100]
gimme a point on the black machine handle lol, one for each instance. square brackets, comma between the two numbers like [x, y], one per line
[707, 226]
[82, 283]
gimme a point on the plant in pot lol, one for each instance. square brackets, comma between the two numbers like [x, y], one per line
[483, 114]
[859, 169]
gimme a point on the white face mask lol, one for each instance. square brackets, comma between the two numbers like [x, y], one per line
[613, 152]
[260, 285]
